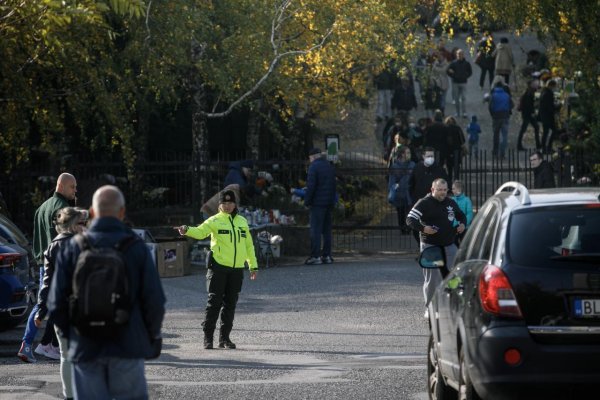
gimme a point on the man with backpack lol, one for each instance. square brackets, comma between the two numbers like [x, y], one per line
[500, 107]
[111, 324]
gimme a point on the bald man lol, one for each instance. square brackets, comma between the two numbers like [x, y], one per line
[43, 233]
[111, 368]
[43, 227]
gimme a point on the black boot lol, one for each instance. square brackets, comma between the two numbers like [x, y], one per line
[208, 340]
[224, 342]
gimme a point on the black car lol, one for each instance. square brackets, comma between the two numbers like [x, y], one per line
[518, 316]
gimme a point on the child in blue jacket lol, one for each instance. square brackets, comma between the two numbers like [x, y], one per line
[465, 204]
[473, 131]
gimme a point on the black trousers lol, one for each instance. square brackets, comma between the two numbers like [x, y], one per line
[529, 119]
[223, 285]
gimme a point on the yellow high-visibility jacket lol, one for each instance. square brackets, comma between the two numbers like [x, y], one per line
[230, 240]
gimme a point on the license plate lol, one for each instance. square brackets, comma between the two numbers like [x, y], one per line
[587, 308]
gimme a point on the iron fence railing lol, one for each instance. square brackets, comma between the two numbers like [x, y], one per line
[159, 191]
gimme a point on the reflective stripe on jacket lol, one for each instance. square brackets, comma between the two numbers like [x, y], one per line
[230, 240]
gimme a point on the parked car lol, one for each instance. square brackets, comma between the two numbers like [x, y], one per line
[14, 235]
[518, 316]
[14, 278]
[18, 274]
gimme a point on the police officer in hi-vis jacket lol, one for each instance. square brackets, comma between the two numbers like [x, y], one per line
[231, 246]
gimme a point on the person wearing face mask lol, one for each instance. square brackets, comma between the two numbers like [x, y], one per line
[423, 175]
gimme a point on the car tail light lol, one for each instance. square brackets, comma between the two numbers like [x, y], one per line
[496, 294]
[8, 259]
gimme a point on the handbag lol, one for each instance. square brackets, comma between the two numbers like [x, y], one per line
[479, 58]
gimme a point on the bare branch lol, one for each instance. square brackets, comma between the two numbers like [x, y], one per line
[277, 56]
[147, 39]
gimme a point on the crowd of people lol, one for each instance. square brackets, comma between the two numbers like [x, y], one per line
[399, 93]
[419, 151]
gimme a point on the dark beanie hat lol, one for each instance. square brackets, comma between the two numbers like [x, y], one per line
[313, 151]
[227, 196]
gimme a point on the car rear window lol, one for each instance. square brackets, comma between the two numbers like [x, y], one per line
[537, 235]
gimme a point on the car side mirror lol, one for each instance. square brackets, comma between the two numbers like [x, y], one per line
[433, 257]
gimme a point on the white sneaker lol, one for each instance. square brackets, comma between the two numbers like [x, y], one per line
[47, 350]
[56, 350]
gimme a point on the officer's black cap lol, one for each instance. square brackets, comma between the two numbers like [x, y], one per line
[227, 196]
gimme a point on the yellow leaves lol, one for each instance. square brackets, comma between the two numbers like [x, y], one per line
[564, 21]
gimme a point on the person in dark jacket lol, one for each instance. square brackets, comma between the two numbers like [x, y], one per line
[43, 233]
[455, 140]
[400, 168]
[500, 107]
[527, 108]
[485, 59]
[239, 173]
[69, 221]
[436, 134]
[111, 368]
[320, 198]
[434, 217]
[460, 71]
[404, 98]
[548, 115]
[543, 173]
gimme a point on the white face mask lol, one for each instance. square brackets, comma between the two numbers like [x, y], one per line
[428, 161]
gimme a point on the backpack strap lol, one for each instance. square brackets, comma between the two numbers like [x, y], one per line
[124, 244]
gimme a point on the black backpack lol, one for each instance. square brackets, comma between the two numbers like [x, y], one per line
[100, 304]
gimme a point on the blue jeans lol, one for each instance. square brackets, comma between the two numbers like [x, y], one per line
[30, 328]
[459, 94]
[108, 378]
[320, 224]
[500, 128]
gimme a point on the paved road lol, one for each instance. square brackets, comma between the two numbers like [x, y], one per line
[350, 330]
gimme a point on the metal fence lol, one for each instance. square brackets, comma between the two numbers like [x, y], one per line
[160, 192]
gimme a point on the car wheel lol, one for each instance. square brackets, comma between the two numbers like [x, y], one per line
[437, 388]
[466, 391]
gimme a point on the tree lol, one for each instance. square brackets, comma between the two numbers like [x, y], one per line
[56, 70]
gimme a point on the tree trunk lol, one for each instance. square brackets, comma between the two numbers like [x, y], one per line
[253, 135]
[200, 153]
